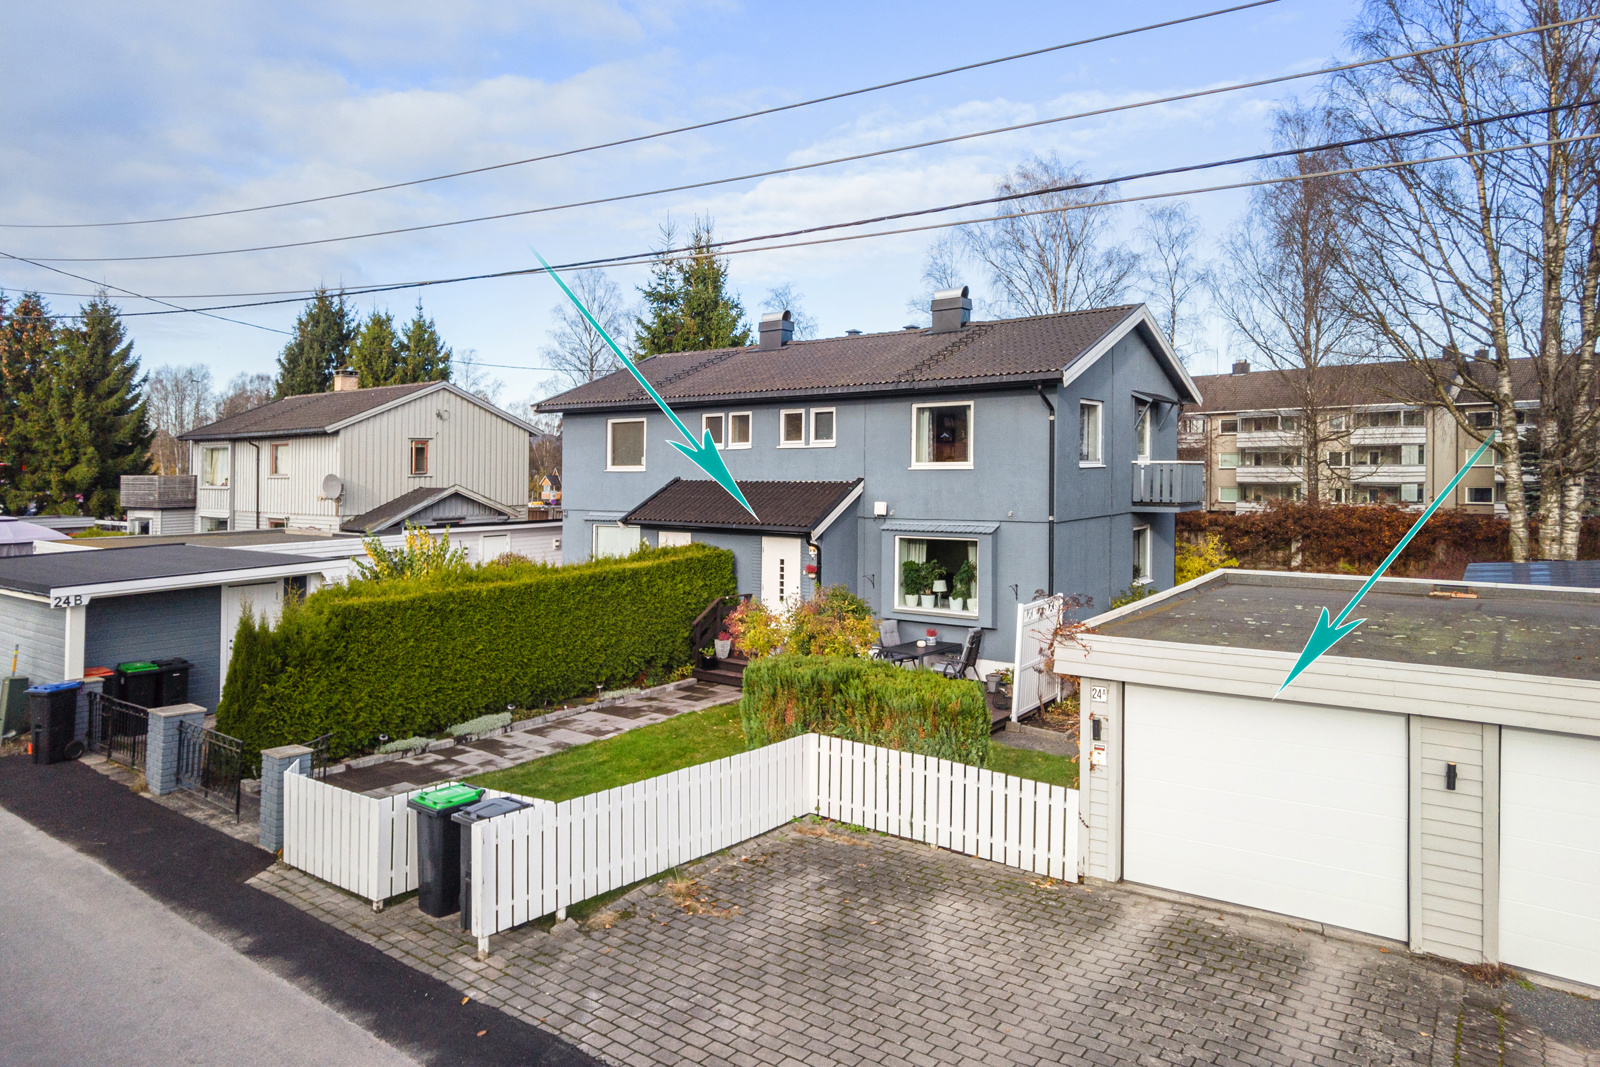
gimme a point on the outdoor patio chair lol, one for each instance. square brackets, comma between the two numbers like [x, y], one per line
[967, 662]
[888, 634]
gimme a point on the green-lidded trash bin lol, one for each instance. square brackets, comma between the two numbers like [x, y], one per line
[483, 809]
[53, 710]
[13, 704]
[439, 846]
[138, 682]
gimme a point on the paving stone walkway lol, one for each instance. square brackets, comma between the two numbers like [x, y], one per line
[817, 946]
[528, 741]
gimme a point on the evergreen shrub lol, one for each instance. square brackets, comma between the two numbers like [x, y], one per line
[863, 700]
[412, 656]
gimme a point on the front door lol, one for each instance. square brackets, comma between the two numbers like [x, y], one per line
[263, 598]
[780, 571]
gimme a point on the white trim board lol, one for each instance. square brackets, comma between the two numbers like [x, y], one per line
[1139, 317]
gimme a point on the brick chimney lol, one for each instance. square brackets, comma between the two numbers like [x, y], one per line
[346, 381]
[1241, 366]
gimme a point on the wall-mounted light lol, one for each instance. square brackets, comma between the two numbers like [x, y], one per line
[1449, 775]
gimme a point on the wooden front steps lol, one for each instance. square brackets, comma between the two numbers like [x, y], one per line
[728, 671]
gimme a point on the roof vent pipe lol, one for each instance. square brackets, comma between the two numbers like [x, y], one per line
[777, 329]
[952, 309]
[1241, 366]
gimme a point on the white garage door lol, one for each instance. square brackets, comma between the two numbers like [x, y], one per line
[1285, 807]
[1550, 854]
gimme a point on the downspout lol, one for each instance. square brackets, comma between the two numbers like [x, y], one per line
[257, 447]
[1050, 566]
[816, 583]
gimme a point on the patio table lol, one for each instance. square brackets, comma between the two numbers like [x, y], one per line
[910, 650]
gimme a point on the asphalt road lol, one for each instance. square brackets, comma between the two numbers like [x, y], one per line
[110, 975]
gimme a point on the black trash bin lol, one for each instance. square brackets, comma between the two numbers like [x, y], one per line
[173, 685]
[138, 682]
[53, 712]
[483, 809]
[439, 847]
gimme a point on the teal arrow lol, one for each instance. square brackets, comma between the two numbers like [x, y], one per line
[1327, 634]
[705, 454]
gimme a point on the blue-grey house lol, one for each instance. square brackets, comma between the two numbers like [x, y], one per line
[1022, 455]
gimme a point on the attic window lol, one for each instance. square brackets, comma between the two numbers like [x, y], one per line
[419, 457]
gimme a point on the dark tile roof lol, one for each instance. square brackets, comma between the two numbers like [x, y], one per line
[791, 507]
[1348, 384]
[405, 505]
[308, 414]
[1026, 349]
[55, 570]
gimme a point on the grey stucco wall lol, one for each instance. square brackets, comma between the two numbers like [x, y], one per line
[40, 631]
[185, 622]
[1008, 485]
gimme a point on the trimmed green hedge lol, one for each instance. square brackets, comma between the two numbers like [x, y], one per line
[865, 700]
[415, 655]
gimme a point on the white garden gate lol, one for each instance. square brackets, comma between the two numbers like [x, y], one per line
[1033, 678]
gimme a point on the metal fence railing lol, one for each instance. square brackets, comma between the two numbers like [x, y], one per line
[319, 756]
[211, 764]
[117, 730]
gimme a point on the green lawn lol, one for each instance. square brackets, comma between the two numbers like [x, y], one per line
[682, 741]
[1040, 766]
[698, 737]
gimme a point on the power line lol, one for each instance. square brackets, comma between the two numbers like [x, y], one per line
[500, 216]
[670, 253]
[653, 136]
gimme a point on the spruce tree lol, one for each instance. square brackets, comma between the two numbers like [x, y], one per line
[375, 356]
[27, 343]
[320, 346]
[424, 355]
[99, 429]
[687, 302]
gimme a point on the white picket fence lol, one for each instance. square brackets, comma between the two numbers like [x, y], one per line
[548, 857]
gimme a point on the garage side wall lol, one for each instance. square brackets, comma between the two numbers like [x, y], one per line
[41, 634]
[185, 622]
[1454, 840]
[1101, 800]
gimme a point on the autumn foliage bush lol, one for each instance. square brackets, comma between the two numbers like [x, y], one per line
[1346, 537]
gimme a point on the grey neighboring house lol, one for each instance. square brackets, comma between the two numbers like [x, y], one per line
[1041, 449]
[70, 610]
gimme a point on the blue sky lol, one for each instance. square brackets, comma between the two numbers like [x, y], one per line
[119, 111]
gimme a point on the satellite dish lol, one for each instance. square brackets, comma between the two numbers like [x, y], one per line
[332, 487]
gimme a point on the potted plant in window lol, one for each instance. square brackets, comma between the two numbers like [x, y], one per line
[910, 581]
[961, 586]
[932, 572]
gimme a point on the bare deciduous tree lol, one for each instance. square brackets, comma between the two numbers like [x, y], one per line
[785, 298]
[243, 392]
[177, 399]
[1173, 274]
[1058, 261]
[1277, 289]
[576, 351]
[1493, 253]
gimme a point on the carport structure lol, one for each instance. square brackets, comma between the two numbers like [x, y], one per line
[1434, 779]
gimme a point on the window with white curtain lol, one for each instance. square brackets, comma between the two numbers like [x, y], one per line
[214, 466]
[616, 540]
[1141, 430]
[1090, 452]
[937, 574]
[941, 435]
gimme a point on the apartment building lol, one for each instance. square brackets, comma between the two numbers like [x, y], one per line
[1373, 435]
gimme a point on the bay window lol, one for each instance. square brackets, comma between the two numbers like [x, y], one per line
[937, 575]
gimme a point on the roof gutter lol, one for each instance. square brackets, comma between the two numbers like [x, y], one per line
[643, 403]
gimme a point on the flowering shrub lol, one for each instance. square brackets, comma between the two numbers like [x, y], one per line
[1199, 558]
[835, 622]
[422, 556]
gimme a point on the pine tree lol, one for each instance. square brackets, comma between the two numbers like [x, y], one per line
[687, 301]
[424, 355]
[99, 429]
[321, 345]
[375, 356]
[27, 342]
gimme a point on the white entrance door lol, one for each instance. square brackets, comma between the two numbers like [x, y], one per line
[1550, 854]
[780, 571]
[1285, 807]
[263, 598]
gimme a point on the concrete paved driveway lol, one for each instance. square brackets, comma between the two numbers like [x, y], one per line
[97, 972]
[831, 947]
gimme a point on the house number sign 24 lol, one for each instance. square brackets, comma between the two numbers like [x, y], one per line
[1097, 693]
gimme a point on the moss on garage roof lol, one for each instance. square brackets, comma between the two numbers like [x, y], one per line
[1517, 629]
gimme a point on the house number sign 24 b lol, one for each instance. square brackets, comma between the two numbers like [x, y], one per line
[75, 600]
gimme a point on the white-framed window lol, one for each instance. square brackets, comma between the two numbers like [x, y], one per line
[941, 435]
[419, 456]
[673, 538]
[1339, 495]
[937, 574]
[792, 428]
[1227, 494]
[1480, 494]
[1141, 430]
[1141, 556]
[1227, 460]
[1228, 426]
[1413, 417]
[616, 540]
[624, 444]
[1411, 493]
[1483, 420]
[214, 466]
[211, 524]
[739, 429]
[1338, 422]
[716, 424]
[1488, 458]
[139, 526]
[1091, 451]
[1338, 459]
[823, 428]
[278, 458]
[277, 524]
[1413, 455]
